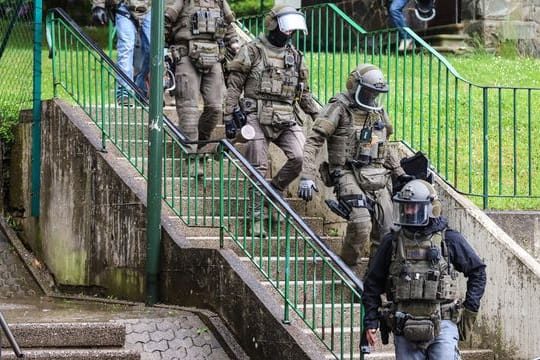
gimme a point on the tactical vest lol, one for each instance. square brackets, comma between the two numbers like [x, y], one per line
[200, 20]
[421, 278]
[279, 74]
[360, 139]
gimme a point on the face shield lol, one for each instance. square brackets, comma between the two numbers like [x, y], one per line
[368, 98]
[292, 21]
[409, 213]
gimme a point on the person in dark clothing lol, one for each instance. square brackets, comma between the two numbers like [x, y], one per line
[416, 267]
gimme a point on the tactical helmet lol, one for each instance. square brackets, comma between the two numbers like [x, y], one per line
[365, 84]
[286, 18]
[424, 9]
[415, 203]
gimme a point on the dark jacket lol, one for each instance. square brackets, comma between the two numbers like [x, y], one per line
[460, 253]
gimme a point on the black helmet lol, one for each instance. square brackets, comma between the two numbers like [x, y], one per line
[415, 203]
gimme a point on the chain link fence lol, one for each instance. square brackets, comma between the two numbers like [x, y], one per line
[16, 62]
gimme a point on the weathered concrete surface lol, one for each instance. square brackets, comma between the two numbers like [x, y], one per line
[80, 178]
[126, 330]
[509, 314]
[91, 230]
[522, 226]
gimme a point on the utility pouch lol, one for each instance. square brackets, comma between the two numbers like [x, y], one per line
[283, 119]
[204, 55]
[447, 288]
[419, 330]
[373, 178]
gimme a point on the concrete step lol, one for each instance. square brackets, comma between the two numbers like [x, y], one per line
[332, 242]
[308, 266]
[233, 206]
[87, 334]
[310, 292]
[209, 226]
[390, 355]
[73, 354]
[325, 316]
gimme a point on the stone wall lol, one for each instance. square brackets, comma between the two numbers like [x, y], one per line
[493, 20]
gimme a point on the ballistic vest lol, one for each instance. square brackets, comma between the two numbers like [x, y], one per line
[421, 276]
[360, 137]
[279, 73]
[200, 20]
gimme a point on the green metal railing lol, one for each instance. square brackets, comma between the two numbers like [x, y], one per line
[313, 283]
[481, 139]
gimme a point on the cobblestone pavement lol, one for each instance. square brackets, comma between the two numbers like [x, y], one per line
[15, 280]
[155, 332]
[181, 337]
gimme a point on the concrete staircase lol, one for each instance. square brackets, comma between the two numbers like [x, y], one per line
[73, 341]
[447, 38]
[312, 297]
[40, 331]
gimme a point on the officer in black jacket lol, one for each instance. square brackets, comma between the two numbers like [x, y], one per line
[416, 268]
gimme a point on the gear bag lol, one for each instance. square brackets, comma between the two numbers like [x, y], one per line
[204, 55]
[372, 178]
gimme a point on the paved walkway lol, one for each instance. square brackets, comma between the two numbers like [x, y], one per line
[156, 332]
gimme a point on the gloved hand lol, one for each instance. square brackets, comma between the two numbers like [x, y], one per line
[405, 178]
[99, 16]
[233, 47]
[305, 189]
[466, 323]
[230, 129]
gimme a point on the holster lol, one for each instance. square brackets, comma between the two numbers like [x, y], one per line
[324, 171]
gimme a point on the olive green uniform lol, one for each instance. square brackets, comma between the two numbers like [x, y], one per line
[271, 79]
[362, 164]
[198, 32]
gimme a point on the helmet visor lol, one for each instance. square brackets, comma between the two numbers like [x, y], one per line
[369, 98]
[411, 213]
[292, 21]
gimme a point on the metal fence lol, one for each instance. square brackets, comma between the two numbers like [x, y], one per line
[16, 61]
[217, 188]
[481, 139]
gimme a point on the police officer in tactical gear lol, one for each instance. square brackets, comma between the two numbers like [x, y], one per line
[360, 160]
[198, 33]
[416, 266]
[272, 75]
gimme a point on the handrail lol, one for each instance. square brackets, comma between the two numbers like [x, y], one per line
[307, 261]
[479, 138]
[9, 335]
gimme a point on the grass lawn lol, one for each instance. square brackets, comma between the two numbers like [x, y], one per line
[430, 109]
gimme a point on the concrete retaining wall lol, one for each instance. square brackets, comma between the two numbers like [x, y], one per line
[509, 314]
[92, 236]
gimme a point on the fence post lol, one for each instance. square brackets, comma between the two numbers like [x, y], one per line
[36, 125]
[155, 154]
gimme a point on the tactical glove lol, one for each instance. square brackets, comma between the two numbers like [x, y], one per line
[99, 16]
[305, 189]
[230, 129]
[465, 324]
